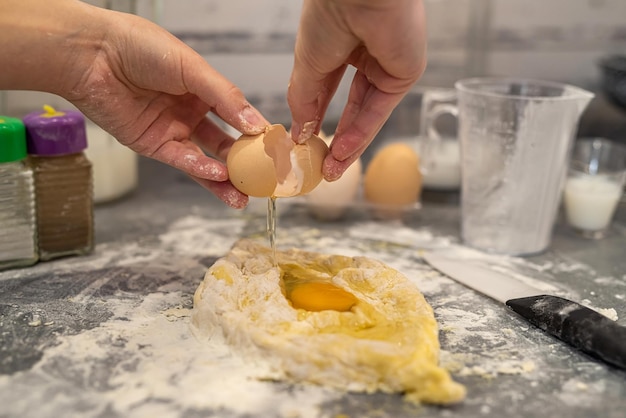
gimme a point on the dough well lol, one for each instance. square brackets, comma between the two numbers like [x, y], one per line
[387, 341]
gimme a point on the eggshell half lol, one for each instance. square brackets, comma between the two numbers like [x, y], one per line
[271, 164]
[310, 157]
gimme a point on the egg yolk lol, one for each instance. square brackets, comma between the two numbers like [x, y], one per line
[320, 296]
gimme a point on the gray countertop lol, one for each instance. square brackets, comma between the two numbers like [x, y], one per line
[107, 335]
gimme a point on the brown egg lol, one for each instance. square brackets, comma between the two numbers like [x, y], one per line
[271, 164]
[393, 180]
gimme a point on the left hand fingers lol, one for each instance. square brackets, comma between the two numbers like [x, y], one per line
[225, 191]
[213, 139]
[224, 98]
[189, 158]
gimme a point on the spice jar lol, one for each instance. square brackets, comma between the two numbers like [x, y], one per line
[18, 240]
[63, 182]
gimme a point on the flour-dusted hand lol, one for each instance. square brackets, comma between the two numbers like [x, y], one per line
[385, 40]
[134, 79]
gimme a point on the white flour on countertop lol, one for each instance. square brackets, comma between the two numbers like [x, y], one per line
[145, 361]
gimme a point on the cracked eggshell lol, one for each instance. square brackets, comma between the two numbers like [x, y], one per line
[271, 164]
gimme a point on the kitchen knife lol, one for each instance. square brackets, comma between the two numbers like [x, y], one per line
[577, 325]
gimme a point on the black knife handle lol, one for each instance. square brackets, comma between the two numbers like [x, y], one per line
[577, 325]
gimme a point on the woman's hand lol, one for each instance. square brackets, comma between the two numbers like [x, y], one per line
[153, 93]
[134, 79]
[384, 39]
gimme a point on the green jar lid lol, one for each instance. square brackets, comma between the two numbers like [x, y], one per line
[12, 139]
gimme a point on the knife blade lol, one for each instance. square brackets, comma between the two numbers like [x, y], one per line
[571, 322]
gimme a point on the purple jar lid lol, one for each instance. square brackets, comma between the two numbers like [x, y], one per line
[54, 132]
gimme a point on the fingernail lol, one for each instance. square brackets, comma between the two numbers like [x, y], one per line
[332, 169]
[235, 199]
[307, 131]
[301, 133]
[295, 132]
[251, 121]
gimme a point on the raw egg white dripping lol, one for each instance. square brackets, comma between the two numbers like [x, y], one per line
[272, 165]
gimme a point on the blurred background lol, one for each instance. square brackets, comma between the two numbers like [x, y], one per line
[252, 42]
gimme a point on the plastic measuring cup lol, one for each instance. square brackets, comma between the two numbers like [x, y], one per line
[516, 137]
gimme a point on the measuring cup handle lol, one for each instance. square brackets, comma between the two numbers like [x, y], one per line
[433, 137]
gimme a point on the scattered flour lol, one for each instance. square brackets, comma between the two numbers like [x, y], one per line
[145, 361]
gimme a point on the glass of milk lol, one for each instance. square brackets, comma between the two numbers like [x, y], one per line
[594, 185]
